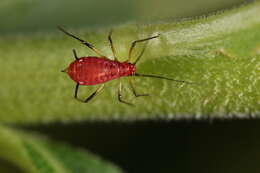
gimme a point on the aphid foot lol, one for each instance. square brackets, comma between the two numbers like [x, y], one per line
[139, 95]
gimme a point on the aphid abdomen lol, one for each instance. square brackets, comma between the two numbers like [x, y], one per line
[94, 70]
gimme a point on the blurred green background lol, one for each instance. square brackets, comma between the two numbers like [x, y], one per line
[186, 146]
[33, 15]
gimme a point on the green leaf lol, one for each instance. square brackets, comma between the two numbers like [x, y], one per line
[219, 53]
[35, 154]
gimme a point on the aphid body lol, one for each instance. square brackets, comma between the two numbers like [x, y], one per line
[94, 70]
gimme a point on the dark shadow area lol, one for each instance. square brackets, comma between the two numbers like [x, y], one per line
[7, 167]
[184, 146]
[44, 16]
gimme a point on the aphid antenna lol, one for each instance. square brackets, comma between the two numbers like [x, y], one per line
[161, 77]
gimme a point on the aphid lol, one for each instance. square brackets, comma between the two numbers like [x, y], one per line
[94, 70]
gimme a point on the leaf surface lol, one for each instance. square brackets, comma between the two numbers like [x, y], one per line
[219, 53]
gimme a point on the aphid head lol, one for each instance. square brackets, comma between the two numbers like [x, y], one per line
[66, 70]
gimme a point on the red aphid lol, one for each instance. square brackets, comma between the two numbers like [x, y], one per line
[94, 70]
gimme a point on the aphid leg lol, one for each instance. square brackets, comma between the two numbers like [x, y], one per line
[91, 96]
[75, 54]
[112, 45]
[76, 91]
[82, 41]
[141, 54]
[162, 77]
[133, 89]
[138, 41]
[120, 95]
